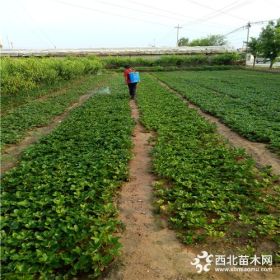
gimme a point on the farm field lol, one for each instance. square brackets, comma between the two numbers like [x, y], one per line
[247, 101]
[60, 207]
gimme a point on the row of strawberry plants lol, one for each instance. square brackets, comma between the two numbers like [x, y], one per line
[58, 210]
[209, 191]
[39, 112]
[246, 101]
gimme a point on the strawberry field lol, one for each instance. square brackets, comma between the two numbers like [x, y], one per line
[208, 190]
[246, 101]
[38, 112]
[60, 203]
[58, 210]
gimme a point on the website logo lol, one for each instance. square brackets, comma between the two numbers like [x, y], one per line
[232, 263]
[207, 260]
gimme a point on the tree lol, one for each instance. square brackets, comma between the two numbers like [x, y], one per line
[210, 40]
[254, 48]
[270, 41]
[183, 42]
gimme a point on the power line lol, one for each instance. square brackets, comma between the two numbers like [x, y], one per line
[165, 35]
[159, 9]
[136, 10]
[235, 30]
[276, 5]
[249, 23]
[209, 15]
[213, 9]
[178, 14]
[232, 5]
[247, 26]
[106, 12]
[40, 30]
[127, 8]
[227, 8]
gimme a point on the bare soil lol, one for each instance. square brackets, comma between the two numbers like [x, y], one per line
[11, 153]
[151, 250]
[258, 151]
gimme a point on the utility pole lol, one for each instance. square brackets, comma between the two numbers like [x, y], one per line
[178, 27]
[248, 32]
[247, 40]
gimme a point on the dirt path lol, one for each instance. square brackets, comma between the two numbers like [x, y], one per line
[11, 153]
[258, 151]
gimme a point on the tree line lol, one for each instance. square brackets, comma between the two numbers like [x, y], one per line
[267, 45]
[210, 40]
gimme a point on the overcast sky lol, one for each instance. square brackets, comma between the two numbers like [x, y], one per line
[127, 23]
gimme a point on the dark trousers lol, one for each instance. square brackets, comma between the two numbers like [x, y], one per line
[132, 89]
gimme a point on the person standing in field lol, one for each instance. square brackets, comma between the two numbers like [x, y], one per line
[131, 86]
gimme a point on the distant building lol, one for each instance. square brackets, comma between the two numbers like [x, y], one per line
[119, 51]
